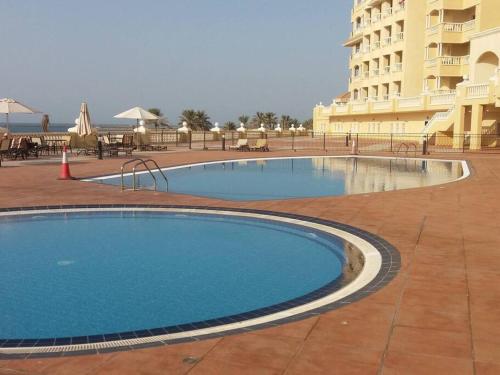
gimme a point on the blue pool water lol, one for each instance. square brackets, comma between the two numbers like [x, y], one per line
[83, 274]
[300, 177]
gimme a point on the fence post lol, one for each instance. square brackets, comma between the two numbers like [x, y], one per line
[424, 146]
[463, 143]
[176, 138]
[324, 141]
[357, 143]
[223, 142]
[204, 141]
[391, 142]
[190, 136]
[347, 140]
[293, 141]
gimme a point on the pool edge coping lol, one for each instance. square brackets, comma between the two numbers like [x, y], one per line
[390, 265]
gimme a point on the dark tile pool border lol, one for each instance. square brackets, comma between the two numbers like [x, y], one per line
[390, 266]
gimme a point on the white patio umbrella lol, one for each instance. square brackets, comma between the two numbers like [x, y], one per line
[84, 126]
[8, 106]
[278, 128]
[138, 114]
[262, 128]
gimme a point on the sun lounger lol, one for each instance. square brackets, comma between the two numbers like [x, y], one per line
[4, 148]
[127, 144]
[260, 145]
[241, 145]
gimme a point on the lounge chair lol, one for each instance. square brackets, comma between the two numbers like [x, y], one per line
[19, 147]
[260, 145]
[39, 146]
[241, 145]
[127, 144]
[4, 148]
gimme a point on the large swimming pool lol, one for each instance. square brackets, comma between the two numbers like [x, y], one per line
[282, 178]
[79, 276]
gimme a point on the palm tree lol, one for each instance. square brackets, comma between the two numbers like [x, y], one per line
[294, 121]
[156, 111]
[230, 125]
[189, 116]
[258, 118]
[203, 120]
[286, 121]
[270, 119]
[162, 120]
[308, 124]
[243, 119]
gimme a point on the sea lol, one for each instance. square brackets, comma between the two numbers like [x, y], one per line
[26, 127]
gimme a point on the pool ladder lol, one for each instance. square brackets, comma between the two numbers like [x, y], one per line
[138, 162]
[408, 148]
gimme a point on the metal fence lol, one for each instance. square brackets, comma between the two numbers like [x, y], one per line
[362, 143]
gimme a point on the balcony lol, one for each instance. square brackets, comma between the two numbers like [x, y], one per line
[387, 12]
[376, 45]
[398, 67]
[376, 18]
[399, 37]
[454, 66]
[439, 100]
[386, 41]
[449, 32]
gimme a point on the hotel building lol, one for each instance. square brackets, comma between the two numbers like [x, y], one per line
[421, 67]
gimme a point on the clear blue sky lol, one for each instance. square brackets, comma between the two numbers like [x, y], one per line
[228, 57]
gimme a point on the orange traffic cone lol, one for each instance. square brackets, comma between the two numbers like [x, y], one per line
[65, 173]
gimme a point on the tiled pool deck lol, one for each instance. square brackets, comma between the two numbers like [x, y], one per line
[438, 316]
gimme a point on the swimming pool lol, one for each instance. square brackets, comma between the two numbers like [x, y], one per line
[89, 276]
[301, 177]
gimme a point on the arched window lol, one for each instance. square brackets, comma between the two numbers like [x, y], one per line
[486, 67]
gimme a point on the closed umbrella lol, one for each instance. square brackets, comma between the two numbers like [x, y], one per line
[84, 127]
[8, 106]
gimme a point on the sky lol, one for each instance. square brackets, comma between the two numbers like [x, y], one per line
[227, 57]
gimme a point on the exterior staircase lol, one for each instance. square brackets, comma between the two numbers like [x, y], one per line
[440, 121]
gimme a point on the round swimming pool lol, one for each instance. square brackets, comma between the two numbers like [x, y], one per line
[83, 276]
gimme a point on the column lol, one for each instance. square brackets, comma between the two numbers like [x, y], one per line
[459, 127]
[476, 126]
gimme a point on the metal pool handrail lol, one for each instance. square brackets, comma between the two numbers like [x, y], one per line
[139, 161]
[142, 162]
[159, 170]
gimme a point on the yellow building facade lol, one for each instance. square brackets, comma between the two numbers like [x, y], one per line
[420, 67]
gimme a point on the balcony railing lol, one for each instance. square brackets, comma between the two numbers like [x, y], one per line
[447, 60]
[399, 37]
[398, 67]
[386, 12]
[415, 101]
[376, 18]
[452, 27]
[376, 45]
[478, 91]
